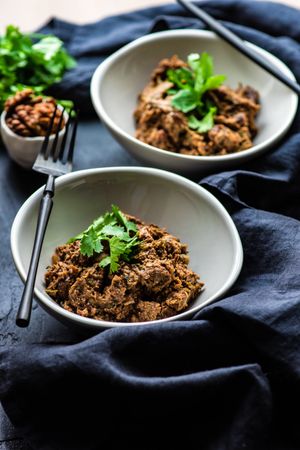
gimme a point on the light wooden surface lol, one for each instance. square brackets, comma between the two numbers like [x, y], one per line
[31, 14]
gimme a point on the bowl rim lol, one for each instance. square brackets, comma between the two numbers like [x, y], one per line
[52, 307]
[100, 72]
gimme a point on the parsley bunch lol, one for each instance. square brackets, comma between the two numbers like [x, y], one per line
[190, 84]
[30, 60]
[114, 229]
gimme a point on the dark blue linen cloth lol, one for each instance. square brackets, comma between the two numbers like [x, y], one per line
[229, 378]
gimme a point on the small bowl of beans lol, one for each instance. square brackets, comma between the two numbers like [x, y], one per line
[24, 123]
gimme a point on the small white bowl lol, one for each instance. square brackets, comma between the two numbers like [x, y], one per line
[187, 210]
[117, 82]
[24, 150]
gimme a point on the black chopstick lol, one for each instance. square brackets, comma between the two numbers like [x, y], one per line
[239, 44]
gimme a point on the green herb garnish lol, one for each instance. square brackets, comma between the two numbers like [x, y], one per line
[190, 85]
[117, 231]
[33, 61]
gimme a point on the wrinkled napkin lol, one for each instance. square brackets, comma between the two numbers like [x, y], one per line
[229, 378]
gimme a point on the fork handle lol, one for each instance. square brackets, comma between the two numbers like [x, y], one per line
[24, 311]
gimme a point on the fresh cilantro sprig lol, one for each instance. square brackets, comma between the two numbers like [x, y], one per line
[34, 61]
[190, 85]
[114, 229]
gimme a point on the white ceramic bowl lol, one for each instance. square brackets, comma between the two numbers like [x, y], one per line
[24, 150]
[156, 196]
[118, 80]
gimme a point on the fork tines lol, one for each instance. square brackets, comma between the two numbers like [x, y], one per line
[56, 154]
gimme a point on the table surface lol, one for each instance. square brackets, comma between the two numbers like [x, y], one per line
[31, 14]
[91, 151]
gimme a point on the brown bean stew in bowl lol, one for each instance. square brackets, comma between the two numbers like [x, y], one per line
[124, 270]
[185, 108]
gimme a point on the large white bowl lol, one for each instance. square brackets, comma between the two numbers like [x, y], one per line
[117, 82]
[156, 196]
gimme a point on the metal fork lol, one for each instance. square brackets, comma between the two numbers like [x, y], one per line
[54, 161]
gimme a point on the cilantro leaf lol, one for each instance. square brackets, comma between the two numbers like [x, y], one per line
[182, 77]
[193, 60]
[114, 229]
[202, 65]
[90, 243]
[205, 124]
[130, 226]
[105, 261]
[117, 248]
[102, 221]
[190, 84]
[48, 47]
[36, 61]
[213, 82]
[172, 91]
[185, 100]
[129, 248]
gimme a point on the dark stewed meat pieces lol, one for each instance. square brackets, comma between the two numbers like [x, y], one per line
[157, 284]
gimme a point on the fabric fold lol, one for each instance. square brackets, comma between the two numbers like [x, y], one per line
[150, 399]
